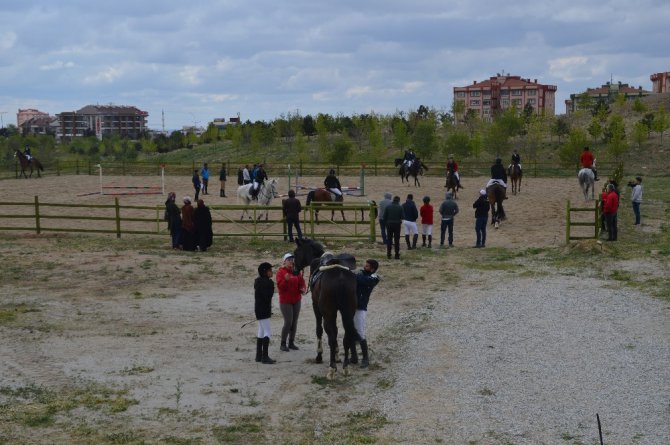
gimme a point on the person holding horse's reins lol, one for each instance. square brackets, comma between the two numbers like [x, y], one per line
[291, 287]
[366, 280]
[332, 183]
[264, 288]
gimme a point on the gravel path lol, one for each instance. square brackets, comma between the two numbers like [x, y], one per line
[531, 361]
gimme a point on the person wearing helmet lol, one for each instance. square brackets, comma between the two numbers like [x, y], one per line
[499, 175]
[26, 153]
[516, 159]
[409, 158]
[332, 184]
[452, 168]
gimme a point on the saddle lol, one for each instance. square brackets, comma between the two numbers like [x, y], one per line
[329, 261]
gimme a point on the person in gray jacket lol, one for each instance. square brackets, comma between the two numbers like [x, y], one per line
[382, 206]
[636, 198]
[393, 215]
[448, 210]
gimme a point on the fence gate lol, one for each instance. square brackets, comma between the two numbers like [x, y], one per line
[583, 222]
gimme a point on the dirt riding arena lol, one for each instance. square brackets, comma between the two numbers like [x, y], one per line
[128, 341]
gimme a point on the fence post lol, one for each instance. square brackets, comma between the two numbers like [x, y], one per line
[37, 215]
[567, 225]
[118, 217]
[597, 212]
[373, 220]
[57, 168]
[90, 172]
[311, 219]
[77, 166]
[362, 180]
[123, 167]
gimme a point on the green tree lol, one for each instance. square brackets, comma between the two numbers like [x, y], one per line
[341, 151]
[211, 134]
[322, 140]
[638, 106]
[376, 141]
[595, 129]
[661, 122]
[149, 146]
[457, 143]
[458, 110]
[497, 139]
[640, 133]
[424, 138]
[616, 135]
[400, 135]
[569, 152]
[560, 127]
[535, 129]
[300, 147]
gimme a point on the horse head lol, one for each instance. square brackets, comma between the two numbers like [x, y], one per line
[305, 252]
[272, 184]
[398, 161]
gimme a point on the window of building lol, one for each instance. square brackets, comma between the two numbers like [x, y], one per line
[516, 92]
[475, 93]
[474, 103]
[531, 92]
[460, 94]
[505, 102]
[487, 93]
[487, 102]
[516, 102]
[504, 92]
[531, 101]
[487, 111]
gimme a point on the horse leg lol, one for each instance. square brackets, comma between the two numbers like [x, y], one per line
[331, 331]
[319, 333]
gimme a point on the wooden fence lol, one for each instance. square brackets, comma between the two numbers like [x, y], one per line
[592, 220]
[40, 217]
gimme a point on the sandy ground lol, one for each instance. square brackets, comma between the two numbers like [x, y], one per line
[166, 326]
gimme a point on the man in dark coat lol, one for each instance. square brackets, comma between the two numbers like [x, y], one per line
[292, 209]
[202, 219]
[173, 217]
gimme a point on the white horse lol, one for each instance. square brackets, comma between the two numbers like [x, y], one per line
[267, 191]
[586, 181]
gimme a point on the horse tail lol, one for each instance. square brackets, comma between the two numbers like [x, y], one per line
[39, 165]
[310, 197]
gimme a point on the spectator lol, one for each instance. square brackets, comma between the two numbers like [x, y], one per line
[197, 185]
[426, 212]
[264, 288]
[173, 217]
[202, 220]
[291, 288]
[393, 215]
[222, 179]
[187, 225]
[481, 207]
[636, 199]
[448, 210]
[366, 280]
[409, 222]
[292, 209]
[205, 179]
[382, 224]
[246, 175]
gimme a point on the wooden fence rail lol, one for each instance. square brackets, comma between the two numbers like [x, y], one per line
[569, 222]
[148, 220]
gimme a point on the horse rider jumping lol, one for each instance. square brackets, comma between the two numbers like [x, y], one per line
[498, 175]
[409, 158]
[516, 160]
[588, 161]
[332, 184]
[452, 167]
[259, 178]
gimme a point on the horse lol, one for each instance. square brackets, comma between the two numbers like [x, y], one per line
[267, 191]
[496, 195]
[28, 163]
[451, 183]
[514, 172]
[587, 181]
[415, 170]
[323, 195]
[333, 291]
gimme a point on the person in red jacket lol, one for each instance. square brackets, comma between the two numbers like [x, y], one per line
[426, 212]
[291, 288]
[610, 208]
[588, 161]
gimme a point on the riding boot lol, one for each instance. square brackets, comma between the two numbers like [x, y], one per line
[388, 251]
[414, 239]
[364, 350]
[423, 240]
[259, 349]
[430, 241]
[221, 194]
[354, 355]
[409, 246]
[266, 358]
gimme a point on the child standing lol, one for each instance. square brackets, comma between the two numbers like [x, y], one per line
[366, 280]
[426, 212]
[264, 288]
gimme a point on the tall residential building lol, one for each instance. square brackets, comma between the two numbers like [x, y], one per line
[24, 115]
[607, 93]
[660, 82]
[504, 91]
[102, 120]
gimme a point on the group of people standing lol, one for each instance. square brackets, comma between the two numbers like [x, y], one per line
[190, 229]
[202, 185]
[291, 287]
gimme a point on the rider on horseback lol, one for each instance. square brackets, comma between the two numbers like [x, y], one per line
[452, 168]
[27, 154]
[259, 178]
[409, 158]
[498, 175]
[516, 160]
[588, 161]
[332, 184]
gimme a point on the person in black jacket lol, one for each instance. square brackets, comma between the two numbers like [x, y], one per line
[332, 183]
[499, 174]
[173, 217]
[409, 221]
[481, 207]
[202, 219]
[292, 209]
[264, 289]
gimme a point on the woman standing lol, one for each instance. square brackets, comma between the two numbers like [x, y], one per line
[202, 219]
[187, 225]
[173, 218]
[291, 287]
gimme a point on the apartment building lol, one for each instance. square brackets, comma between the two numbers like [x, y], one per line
[26, 114]
[504, 91]
[660, 82]
[607, 93]
[102, 120]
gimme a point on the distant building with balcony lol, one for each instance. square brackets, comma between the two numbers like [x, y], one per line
[660, 82]
[606, 93]
[24, 115]
[39, 125]
[504, 91]
[103, 120]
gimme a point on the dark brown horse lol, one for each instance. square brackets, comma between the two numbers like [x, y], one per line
[28, 163]
[496, 195]
[514, 173]
[322, 196]
[334, 290]
[415, 170]
[451, 183]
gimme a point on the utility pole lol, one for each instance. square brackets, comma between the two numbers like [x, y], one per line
[2, 123]
[163, 120]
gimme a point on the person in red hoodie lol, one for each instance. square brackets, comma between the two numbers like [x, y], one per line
[426, 212]
[291, 288]
[610, 208]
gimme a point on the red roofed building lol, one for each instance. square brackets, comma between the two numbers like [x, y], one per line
[607, 93]
[505, 91]
[660, 82]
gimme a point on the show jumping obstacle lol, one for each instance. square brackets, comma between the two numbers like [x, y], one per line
[129, 190]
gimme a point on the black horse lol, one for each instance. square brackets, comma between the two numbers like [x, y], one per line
[333, 291]
[496, 195]
[415, 170]
[28, 163]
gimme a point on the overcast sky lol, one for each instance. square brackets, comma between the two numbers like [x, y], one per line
[198, 60]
